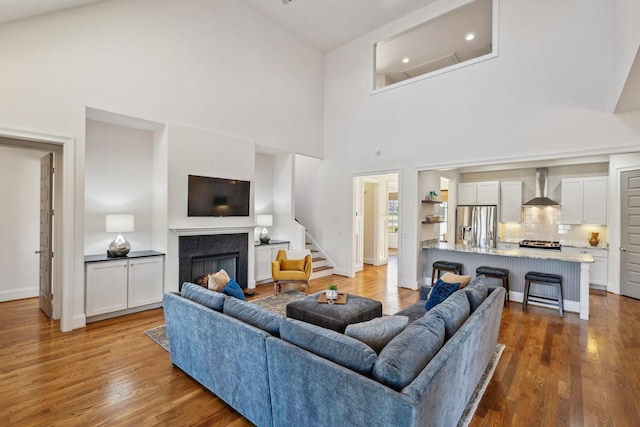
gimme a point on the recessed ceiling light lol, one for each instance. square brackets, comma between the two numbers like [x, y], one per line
[470, 37]
[405, 60]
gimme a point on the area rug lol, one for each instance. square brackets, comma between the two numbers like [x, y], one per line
[467, 415]
[278, 303]
[159, 336]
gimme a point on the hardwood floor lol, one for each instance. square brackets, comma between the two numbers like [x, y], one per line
[564, 372]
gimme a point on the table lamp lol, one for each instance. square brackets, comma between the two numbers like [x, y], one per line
[120, 247]
[264, 221]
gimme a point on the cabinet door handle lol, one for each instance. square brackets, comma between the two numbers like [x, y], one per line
[622, 249]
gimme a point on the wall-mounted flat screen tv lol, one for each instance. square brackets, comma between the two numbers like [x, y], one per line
[218, 196]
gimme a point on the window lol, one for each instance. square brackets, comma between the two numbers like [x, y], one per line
[392, 213]
[460, 37]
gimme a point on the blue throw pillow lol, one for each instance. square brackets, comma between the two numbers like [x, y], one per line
[441, 290]
[233, 290]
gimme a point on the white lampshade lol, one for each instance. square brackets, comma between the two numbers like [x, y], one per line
[264, 220]
[119, 223]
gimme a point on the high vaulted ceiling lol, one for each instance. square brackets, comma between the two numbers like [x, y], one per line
[14, 10]
[328, 24]
[325, 24]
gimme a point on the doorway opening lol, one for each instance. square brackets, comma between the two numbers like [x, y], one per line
[376, 227]
[38, 145]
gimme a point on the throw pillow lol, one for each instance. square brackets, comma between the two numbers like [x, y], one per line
[217, 281]
[234, 290]
[477, 292]
[332, 345]
[400, 362]
[453, 312]
[378, 332]
[441, 290]
[292, 264]
[456, 278]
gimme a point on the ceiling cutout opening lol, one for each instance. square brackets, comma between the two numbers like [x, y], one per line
[457, 38]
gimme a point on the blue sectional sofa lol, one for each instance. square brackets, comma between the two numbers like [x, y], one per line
[283, 372]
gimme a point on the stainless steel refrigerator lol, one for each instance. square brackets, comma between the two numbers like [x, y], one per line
[477, 226]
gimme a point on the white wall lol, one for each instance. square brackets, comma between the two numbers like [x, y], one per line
[19, 223]
[546, 95]
[215, 65]
[118, 180]
[627, 41]
[198, 152]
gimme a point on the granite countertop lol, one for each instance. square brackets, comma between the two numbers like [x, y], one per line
[519, 252]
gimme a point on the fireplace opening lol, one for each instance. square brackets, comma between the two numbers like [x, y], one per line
[204, 265]
[205, 254]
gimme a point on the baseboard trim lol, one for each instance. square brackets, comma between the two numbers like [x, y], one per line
[16, 294]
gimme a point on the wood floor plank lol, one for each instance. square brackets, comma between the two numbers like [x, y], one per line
[554, 371]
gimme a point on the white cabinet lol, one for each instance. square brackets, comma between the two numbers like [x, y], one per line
[106, 287]
[121, 285]
[511, 201]
[264, 254]
[584, 200]
[145, 281]
[599, 270]
[479, 193]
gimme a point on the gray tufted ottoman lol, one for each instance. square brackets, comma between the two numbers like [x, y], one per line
[336, 316]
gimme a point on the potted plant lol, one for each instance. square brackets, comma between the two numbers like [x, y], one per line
[332, 292]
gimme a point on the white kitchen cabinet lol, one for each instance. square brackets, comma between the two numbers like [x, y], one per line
[599, 270]
[479, 193]
[584, 200]
[264, 254]
[123, 285]
[511, 201]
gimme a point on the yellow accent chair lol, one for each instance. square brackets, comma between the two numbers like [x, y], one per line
[291, 267]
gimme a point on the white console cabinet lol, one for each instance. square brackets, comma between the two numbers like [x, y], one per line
[265, 253]
[117, 286]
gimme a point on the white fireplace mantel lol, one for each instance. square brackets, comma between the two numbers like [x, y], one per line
[201, 231]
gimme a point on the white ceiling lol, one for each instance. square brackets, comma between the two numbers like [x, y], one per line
[326, 24]
[14, 10]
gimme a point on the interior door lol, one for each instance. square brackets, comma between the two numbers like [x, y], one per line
[630, 234]
[46, 229]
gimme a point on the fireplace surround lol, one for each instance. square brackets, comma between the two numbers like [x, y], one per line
[203, 254]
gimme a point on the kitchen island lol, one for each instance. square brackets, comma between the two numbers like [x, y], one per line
[573, 267]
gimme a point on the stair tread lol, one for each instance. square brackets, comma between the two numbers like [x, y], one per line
[325, 267]
[318, 259]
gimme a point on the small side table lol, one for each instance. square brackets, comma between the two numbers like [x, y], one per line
[334, 316]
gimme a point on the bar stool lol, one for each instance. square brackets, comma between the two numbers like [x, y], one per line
[440, 266]
[496, 273]
[554, 280]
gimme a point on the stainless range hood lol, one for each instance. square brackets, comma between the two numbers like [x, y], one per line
[541, 198]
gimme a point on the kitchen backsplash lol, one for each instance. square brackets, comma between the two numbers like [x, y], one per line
[545, 224]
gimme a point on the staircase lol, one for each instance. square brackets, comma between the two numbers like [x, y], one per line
[321, 265]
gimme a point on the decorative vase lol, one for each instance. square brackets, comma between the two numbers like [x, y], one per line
[332, 294]
[593, 238]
